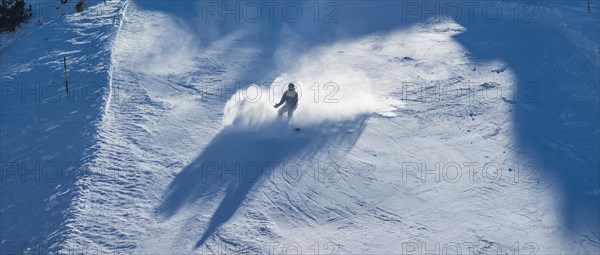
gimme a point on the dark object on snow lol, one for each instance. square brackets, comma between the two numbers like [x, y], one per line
[12, 14]
[290, 99]
[66, 76]
[80, 6]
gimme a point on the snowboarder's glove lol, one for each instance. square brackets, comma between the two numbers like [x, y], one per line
[276, 105]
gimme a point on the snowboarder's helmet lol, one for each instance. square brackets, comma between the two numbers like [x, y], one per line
[291, 86]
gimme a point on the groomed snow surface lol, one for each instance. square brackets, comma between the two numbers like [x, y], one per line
[424, 129]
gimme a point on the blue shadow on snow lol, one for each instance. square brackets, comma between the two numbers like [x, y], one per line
[236, 160]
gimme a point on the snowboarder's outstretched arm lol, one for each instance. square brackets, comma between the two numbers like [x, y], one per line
[280, 101]
[289, 97]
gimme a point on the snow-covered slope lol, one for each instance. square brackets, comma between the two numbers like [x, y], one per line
[47, 137]
[418, 135]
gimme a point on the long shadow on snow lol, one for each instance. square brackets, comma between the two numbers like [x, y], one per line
[235, 161]
[556, 112]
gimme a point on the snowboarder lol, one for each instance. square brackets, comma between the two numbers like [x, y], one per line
[290, 99]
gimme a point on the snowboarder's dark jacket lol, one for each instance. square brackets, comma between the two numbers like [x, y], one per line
[290, 97]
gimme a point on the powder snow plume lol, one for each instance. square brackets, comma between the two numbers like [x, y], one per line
[328, 89]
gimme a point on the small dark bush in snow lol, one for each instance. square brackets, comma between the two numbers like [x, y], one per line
[13, 13]
[79, 6]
